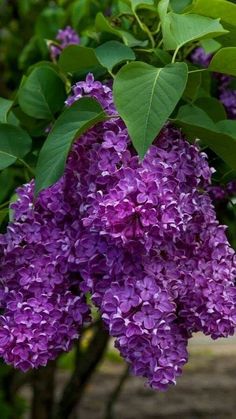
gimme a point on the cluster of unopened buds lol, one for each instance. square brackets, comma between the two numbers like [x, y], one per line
[141, 237]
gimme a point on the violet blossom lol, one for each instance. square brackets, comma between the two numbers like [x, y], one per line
[141, 236]
[65, 37]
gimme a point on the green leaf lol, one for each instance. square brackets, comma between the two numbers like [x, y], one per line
[215, 8]
[210, 45]
[14, 143]
[228, 126]
[197, 124]
[213, 107]
[144, 4]
[103, 25]
[112, 53]
[193, 85]
[73, 122]
[5, 106]
[224, 61]
[162, 57]
[179, 5]
[76, 58]
[42, 94]
[178, 30]
[146, 96]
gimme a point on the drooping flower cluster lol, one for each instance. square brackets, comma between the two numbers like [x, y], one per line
[65, 37]
[141, 236]
[225, 92]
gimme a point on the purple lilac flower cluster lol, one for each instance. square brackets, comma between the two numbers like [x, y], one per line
[65, 37]
[225, 93]
[141, 236]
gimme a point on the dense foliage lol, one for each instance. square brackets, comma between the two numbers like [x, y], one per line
[111, 119]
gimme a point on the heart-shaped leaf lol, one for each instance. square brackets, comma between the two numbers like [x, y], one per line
[73, 122]
[15, 143]
[42, 93]
[112, 53]
[75, 58]
[145, 97]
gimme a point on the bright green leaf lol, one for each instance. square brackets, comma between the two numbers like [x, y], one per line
[5, 106]
[210, 45]
[75, 58]
[42, 94]
[73, 122]
[224, 61]
[14, 143]
[178, 29]
[224, 9]
[197, 124]
[112, 53]
[148, 4]
[179, 5]
[145, 97]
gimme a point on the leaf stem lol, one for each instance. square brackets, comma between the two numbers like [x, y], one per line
[175, 55]
[145, 29]
[27, 166]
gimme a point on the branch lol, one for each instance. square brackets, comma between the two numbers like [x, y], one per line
[109, 414]
[84, 368]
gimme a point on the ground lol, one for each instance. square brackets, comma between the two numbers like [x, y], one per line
[207, 388]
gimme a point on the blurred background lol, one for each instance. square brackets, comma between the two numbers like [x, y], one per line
[92, 381]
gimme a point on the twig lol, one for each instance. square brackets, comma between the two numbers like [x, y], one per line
[109, 414]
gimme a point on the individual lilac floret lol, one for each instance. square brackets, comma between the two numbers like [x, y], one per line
[65, 37]
[141, 236]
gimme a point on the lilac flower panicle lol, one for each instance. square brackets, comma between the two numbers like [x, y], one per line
[141, 236]
[65, 37]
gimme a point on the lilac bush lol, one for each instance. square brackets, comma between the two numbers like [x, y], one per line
[141, 236]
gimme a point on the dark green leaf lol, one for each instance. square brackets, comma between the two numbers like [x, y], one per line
[224, 61]
[14, 143]
[144, 4]
[197, 124]
[112, 53]
[146, 96]
[76, 58]
[213, 107]
[5, 106]
[73, 122]
[103, 25]
[193, 85]
[42, 93]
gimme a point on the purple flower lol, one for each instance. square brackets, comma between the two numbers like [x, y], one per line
[65, 37]
[141, 236]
